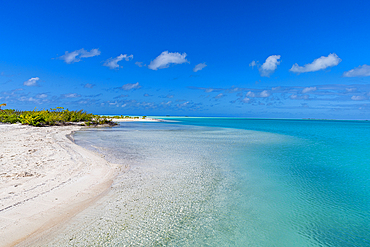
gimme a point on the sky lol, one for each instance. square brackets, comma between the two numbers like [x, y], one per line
[258, 59]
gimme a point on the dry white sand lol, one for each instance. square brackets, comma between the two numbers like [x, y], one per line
[45, 180]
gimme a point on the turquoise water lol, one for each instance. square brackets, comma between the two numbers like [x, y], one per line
[230, 182]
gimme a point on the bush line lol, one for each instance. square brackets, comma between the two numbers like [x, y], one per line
[56, 116]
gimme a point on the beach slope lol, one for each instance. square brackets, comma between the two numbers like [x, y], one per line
[45, 180]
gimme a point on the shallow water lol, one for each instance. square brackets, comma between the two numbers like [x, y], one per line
[230, 182]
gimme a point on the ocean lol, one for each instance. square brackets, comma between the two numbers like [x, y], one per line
[229, 182]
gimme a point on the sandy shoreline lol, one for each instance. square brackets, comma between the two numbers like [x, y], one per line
[45, 180]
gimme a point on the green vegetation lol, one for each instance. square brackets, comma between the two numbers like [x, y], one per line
[55, 116]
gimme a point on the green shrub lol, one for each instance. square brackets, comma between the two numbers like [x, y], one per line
[54, 116]
[31, 119]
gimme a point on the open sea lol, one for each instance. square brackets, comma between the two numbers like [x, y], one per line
[229, 182]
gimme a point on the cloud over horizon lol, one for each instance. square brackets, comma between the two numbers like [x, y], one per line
[71, 95]
[75, 56]
[358, 97]
[199, 66]
[219, 96]
[31, 82]
[360, 71]
[318, 64]
[309, 89]
[265, 94]
[269, 66]
[42, 96]
[130, 86]
[166, 58]
[112, 63]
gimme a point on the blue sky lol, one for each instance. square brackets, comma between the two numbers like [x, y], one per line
[270, 59]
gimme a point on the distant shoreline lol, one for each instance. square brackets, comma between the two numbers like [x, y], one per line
[135, 120]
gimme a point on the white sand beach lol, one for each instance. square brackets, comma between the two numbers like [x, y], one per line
[45, 180]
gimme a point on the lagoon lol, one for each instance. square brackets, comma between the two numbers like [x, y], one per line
[229, 182]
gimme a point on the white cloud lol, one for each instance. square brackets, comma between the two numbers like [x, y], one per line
[31, 82]
[360, 71]
[91, 53]
[304, 97]
[30, 99]
[199, 67]
[165, 104]
[250, 94]
[253, 63]
[185, 104]
[128, 58]
[270, 65]
[42, 96]
[71, 95]
[358, 97]
[112, 63]
[130, 86]
[219, 96]
[70, 57]
[246, 100]
[265, 94]
[75, 56]
[293, 96]
[140, 64]
[351, 89]
[309, 89]
[166, 58]
[318, 64]
[168, 96]
[89, 85]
